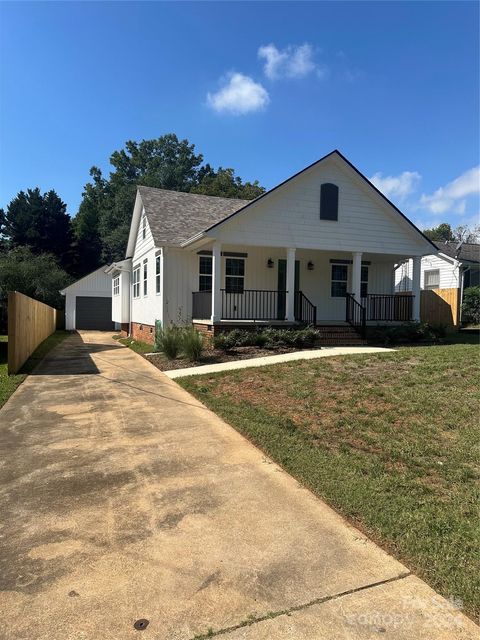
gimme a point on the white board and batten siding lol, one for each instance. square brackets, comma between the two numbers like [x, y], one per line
[147, 307]
[289, 217]
[182, 278]
[96, 284]
[121, 299]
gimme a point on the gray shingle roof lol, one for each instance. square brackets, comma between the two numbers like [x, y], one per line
[467, 252]
[175, 216]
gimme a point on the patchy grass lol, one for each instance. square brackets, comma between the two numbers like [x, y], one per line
[135, 345]
[389, 440]
[8, 384]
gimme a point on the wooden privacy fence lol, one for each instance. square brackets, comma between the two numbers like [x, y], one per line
[440, 306]
[29, 323]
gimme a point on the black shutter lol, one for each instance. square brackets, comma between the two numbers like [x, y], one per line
[328, 201]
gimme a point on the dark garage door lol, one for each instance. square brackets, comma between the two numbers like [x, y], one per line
[94, 313]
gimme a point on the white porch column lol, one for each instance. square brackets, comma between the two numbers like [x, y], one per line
[290, 306]
[216, 282]
[416, 272]
[357, 275]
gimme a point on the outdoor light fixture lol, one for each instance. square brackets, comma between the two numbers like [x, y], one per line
[310, 265]
[270, 263]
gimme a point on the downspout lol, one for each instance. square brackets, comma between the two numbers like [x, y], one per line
[462, 272]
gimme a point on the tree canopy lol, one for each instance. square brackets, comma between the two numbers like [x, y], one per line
[444, 233]
[39, 222]
[103, 221]
[37, 276]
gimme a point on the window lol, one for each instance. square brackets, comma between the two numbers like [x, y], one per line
[328, 201]
[145, 277]
[339, 280]
[432, 279]
[205, 273]
[364, 282]
[234, 275]
[116, 286]
[136, 282]
[144, 226]
[157, 274]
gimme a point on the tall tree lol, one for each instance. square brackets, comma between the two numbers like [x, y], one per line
[226, 184]
[86, 225]
[442, 233]
[166, 163]
[39, 222]
[445, 233]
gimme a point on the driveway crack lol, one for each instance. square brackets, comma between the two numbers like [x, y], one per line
[251, 620]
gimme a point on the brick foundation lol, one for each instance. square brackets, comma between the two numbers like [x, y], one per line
[143, 332]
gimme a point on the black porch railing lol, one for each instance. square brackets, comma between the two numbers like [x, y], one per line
[252, 304]
[201, 305]
[356, 314]
[388, 307]
[305, 311]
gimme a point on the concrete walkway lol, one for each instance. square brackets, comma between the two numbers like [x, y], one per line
[123, 498]
[309, 354]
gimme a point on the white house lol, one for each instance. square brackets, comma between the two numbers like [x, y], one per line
[320, 248]
[448, 273]
[88, 302]
[456, 265]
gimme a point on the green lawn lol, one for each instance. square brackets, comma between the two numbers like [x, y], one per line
[391, 441]
[135, 345]
[8, 384]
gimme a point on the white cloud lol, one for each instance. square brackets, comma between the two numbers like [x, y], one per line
[239, 95]
[291, 62]
[451, 198]
[397, 186]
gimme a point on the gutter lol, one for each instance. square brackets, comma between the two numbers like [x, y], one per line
[193, 239]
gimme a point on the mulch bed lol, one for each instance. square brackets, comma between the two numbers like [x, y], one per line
[215, 356]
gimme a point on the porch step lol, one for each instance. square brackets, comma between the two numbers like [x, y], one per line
[339, 336]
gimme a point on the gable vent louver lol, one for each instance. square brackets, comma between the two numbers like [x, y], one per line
[328, 201]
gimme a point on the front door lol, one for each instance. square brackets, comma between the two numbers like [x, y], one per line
[282, 285]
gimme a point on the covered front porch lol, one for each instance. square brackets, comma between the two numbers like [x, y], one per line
[271, 285]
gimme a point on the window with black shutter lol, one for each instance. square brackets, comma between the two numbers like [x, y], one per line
[328, 201]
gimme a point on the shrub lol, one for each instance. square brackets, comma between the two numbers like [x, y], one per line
[192, 344]
[269, 338]
[168, 340]
[407, 333]
[235, 338]
[471, 305]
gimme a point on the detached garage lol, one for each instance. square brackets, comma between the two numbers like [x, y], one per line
[88, 302]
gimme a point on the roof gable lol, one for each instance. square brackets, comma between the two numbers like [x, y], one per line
[338, 156]
[175, 216]
[84, 281]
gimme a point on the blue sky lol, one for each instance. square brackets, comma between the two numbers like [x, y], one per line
[265, 88]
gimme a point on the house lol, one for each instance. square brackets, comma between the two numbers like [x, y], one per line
[445, 275]
[88, 302]
[320, 248]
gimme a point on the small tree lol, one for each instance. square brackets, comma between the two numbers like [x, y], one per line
[471, 305]
[39, 277]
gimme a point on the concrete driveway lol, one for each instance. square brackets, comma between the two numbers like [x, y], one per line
[123, 498]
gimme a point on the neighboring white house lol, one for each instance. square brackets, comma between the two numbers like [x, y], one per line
[320, 248]
[456, 266]
[88, 302]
